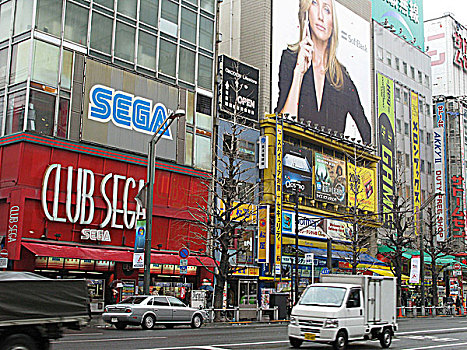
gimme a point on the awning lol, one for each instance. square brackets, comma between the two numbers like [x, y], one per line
[388, 273]
[341, 254]
[98, 253]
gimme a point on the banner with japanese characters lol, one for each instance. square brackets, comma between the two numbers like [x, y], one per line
[457, 216]
[263, 234]
[416, 180]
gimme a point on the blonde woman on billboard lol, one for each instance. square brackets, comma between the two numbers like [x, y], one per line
[324, 94]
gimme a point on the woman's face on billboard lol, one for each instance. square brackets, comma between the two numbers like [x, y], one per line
[320, 15]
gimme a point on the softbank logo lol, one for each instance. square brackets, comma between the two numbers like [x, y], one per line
[126, 111]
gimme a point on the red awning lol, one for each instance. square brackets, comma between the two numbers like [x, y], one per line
[77, 252]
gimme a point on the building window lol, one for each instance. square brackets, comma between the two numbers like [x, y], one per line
[412, 72]
[406, 98]
[106, 3]
[404, 67]
[406, 128]
[67, 69]
[189, 148]
[422, 136]
[1, 112]
[190, 107]
[5, 20]
[76, 23]
[20, 62]
[186, 69]
[422, 166]
[15, 112]
[188, 26]
[147, 50]
[127, 8]
[167, 54]
[101, 33]
[203, 112]
[125, 42]
[407, 160]
[148, 13]
[23, 16]
[49, 16]
[203, 157]
[205, 72]
[169, 17]
[398, 94]
[419, 77]
[429, 167]
[379, 53]
[41, 113]
[63, 108]
[398, 126]
[427, 80]
[428, 138]
[207, 5]
[3, 67]
[397, 63]
[45, 63]
[388, 58]
[243, 149]
[206, 32]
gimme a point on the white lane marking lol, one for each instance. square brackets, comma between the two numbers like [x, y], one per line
[219, 345]
[212, 348]
[436, 346]
[438, 330]
[103, 340]
[430, 337]
[80, 334]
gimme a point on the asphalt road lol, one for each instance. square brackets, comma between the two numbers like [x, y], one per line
[443, 333]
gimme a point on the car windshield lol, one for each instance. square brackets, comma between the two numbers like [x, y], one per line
[133, 300]
[323, 296]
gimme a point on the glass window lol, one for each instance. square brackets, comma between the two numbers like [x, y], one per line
[49, 16]
[45, 63]
[379, 53]
[203, 152]
[323, 296]
[427, 80]
[161, 301]
[15, 112]
[5, 20]
[125, 42]
[67, 69]
[354, 298]
[206, 31]
[189, 149]
[422, 166]
[169, 17]
[422, 138]
[76, 23]
[63, 108]
[397, 63]
[41, 113]
[167, 53]
[406, 128]
[188, 26]
[127, 7]
[106, 3]
[149, 10]
[101, 33]
[398, 126]
[412, 72]
[398, 94]
[404, 66]
[205, 72]
[204, 121]
[20, 62]
[3, 67]
[190, 107]
[147, 50]
[429, 167]
[207, 5]
[419, 77]
[175, 302]
[186, 70]
[23, 17]
[388, 58]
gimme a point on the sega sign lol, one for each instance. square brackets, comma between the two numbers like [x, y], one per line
[126, 110]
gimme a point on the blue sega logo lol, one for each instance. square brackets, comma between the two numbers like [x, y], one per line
[126, 111]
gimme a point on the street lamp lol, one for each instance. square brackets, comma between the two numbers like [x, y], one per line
[150, 191]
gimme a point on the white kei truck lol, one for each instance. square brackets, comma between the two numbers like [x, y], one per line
[344, 308]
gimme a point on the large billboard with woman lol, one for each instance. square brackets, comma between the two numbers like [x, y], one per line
[321, 67]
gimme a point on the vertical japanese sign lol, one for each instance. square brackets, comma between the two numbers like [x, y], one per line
[361, 182]
[386, 132]
[415, 269]
[263, 234]
[140, 237]
[439, 157]
[278, 209]
[457, 216]
[416, 181]
[461, 115]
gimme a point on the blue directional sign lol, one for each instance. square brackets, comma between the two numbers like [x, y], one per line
[183, 270]
[325, 271]
[184, 253]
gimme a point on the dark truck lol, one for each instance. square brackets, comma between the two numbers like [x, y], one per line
[35, 309]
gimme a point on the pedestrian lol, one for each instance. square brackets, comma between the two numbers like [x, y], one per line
[458, 304]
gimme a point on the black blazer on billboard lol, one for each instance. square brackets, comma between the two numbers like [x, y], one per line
[335, 104]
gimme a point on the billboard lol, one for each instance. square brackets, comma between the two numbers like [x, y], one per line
[405, 16]
[416, 181]
[365, 189]
[457, 216]
[278, 204]
[124, 110]
[439, 157]
[263, 234]
[386, 135]
[297, 170]
[330, 86]
[330, 179]
[239, 84]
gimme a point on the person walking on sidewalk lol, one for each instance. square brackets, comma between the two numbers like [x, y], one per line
[458, 305]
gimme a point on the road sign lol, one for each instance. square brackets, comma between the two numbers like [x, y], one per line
[3, 263]
[456, 266]
[3, 253]
[184, 253]
[325, 271]
[138, 260]
[183, 270]
[309, 257]
[183, 262]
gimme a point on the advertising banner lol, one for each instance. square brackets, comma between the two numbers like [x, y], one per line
[297, 170]
[416, 181]
[243, 212]
[278, 206]
[458, 216]
[361, 183]
[415, 270]
[330, 179]
[440, 183]
[342, 102]
[140, 236]
[386, 134]
[263, 234]
[405, 16]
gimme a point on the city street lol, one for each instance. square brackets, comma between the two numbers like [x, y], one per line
[443, 333]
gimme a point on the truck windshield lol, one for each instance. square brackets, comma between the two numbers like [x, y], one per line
[133, 300]
[323, 296]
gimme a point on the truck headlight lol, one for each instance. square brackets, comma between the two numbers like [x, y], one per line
[294, 320]
[331, 323]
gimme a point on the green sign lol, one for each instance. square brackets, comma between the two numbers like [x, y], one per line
[406, 16]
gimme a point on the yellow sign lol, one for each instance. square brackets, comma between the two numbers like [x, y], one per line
[278, 211]
[365, 179]
[246, 271]
[242, 212]
[416, 184]
[263, 234]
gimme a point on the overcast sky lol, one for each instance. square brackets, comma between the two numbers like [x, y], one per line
[436, 8]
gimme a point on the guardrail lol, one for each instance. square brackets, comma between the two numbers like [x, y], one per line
[430, 311]
[235, 314]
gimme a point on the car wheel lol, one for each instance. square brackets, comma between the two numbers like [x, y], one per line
[295, 343]
[148, 322]
[341, 341]
[121, 326]
[19, 342]
[169, 326]
[197, 321]
[385, 339]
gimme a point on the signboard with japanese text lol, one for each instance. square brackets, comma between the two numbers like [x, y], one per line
[362, 183]
[415, 270]
[416, 173]
[330, 179]
[140, 236]
[297, 170]
[439, 152]
[243, 211]
[263, 234]
[458, 216]
[278, 206]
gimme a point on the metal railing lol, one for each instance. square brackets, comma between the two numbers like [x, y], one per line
[430, 311]
[235, 314]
